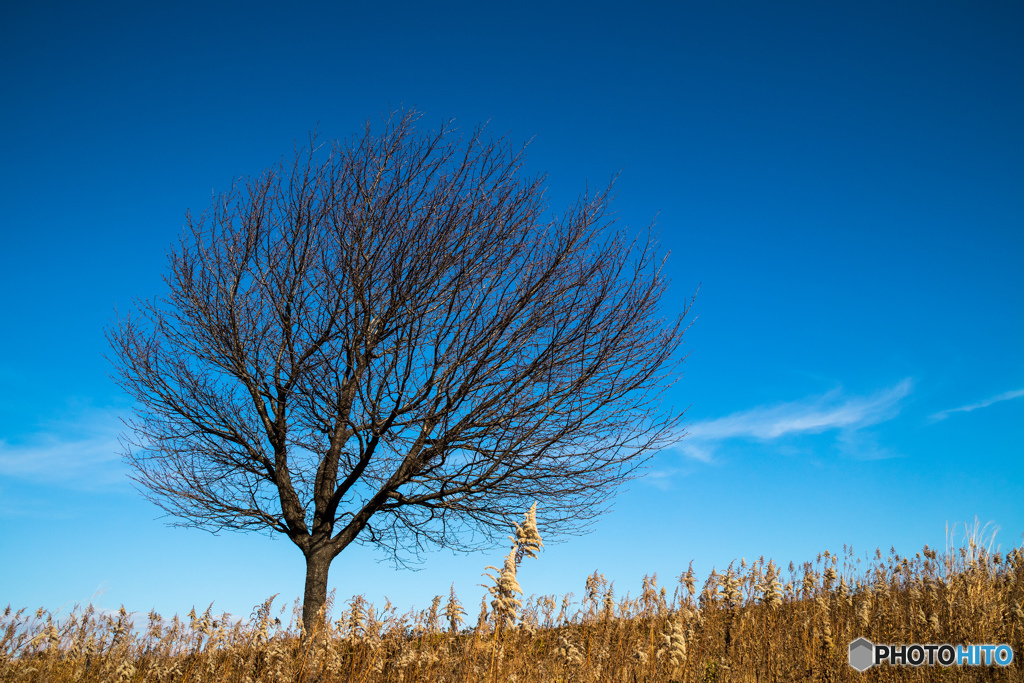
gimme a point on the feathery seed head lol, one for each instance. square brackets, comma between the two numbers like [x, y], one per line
[453, 611]
[527, 540]
[730, 589]
[770, 587]
[504, 603]
[673, 644]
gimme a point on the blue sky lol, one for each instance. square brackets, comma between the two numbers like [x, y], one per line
[844, 182]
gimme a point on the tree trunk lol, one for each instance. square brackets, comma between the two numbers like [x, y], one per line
[315, 596]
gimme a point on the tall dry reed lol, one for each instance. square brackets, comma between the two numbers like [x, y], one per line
[752, 622]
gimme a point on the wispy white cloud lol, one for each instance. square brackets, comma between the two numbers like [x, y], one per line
[831, 411]
[1005, 396]
[79, 451]
[862, 444]
[660, 478]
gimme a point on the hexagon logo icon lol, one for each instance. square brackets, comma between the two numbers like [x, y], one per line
[862, 654]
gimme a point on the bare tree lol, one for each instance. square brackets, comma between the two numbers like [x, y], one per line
[396, 345]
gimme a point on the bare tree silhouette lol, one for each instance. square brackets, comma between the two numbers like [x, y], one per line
[394, 346]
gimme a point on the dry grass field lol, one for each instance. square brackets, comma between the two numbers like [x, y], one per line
[752, 622]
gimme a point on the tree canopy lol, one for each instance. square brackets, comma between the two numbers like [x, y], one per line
[395, 343]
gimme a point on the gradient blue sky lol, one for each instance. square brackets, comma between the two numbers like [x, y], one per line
[846, 180]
